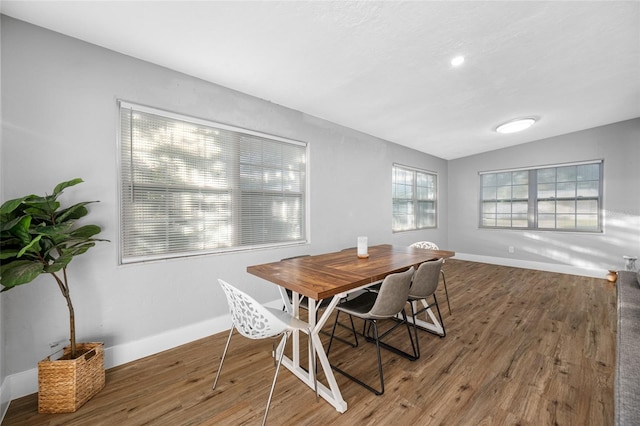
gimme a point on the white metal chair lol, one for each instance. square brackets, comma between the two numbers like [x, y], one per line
[256, 321]
[433, 246]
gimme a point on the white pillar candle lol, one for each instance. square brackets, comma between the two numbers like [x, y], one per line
[362, 247]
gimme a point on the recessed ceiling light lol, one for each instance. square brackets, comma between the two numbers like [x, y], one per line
[515, 125]
[457, 61]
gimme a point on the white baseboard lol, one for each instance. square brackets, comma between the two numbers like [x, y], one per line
[127, 352]
[4, 398]
[26, 382]
[539, 266]
[22, 383]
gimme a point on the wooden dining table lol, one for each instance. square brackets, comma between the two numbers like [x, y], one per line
[333, 276]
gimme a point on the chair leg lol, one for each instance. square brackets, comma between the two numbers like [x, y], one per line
[360, 382]
[435, 300]
[414, 317]
[352, 329]
[366, 333]
[333, 331]
[223, 355]
[275, 377]
[446, 292]
[377, 337]
[353, 345]
[416, 313]
[416, 348]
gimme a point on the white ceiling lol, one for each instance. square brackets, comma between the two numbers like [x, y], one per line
[383, 67]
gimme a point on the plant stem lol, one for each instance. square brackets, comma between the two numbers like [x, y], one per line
[64, 288]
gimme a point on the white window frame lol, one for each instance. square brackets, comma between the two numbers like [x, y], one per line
[126, 190]
[414, 201]
[531, 218]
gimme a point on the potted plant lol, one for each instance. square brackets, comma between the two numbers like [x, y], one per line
[37, 237]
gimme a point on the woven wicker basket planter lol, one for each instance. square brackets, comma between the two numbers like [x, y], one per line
[64, 385]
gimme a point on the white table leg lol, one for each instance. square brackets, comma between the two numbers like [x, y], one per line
[285, 299]
[331, 393]
[296, 334]
[431, 324]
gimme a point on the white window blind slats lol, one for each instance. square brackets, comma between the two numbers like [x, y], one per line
[197, 187]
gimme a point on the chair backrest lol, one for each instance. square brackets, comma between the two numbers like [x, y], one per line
[425, 280]
[425, 245]
[392, 295]
[249, 317]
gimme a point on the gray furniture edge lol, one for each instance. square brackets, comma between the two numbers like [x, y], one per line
[627, 380]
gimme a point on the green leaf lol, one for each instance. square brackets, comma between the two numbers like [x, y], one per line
[42, 208]
[59, 263]
[82, 248]
[21, 229]
[6, 226]
[85, 232]
[78, 249]
[8, 254]
[74, 212]
[37, 236]
[54, 230]
[33, 246]
[11, 205]
[19, 272]
[63, 185]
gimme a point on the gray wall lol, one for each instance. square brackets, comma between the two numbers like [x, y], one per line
[60, 117]
[618, 144]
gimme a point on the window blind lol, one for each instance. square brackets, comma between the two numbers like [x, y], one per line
[190, 186]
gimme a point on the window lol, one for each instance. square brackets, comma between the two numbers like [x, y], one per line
[192, 187]
[505, 199]
[414, 196]
[564, 197]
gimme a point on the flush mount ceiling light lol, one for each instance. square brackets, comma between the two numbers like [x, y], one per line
[457, 61]
[516, 125]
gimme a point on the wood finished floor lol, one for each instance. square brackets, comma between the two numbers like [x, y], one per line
[523, 347]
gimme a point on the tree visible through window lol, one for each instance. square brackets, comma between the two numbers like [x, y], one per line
[563, 197]
[192, 187]
[414, 194]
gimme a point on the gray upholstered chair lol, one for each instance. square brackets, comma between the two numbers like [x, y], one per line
[425, 283]
[256, 321]
[388, 302]
[433, 246]
[423, 286]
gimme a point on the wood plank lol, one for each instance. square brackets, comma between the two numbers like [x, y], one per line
[323, 276]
